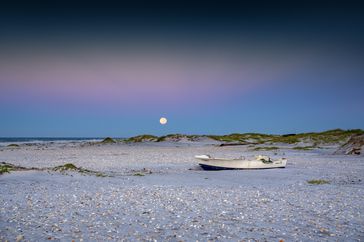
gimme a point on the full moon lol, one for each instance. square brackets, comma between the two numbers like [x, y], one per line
[163, 120]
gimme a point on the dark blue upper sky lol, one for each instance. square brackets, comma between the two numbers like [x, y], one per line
[113, 69]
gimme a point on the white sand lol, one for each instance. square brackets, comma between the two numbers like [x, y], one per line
[178, 201]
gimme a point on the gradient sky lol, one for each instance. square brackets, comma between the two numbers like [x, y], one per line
[97, 69]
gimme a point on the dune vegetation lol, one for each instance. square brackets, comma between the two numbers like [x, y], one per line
[5, 168]
[71, 167]
[315, 138]
[177, 137]
[142, 138]
[318, 182]
[326, 137]
[108, 140]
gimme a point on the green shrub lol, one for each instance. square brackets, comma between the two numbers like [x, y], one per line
[5, 169]
[108, 140]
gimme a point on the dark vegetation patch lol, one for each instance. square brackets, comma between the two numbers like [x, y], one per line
[305, 147]
[7, 168]
[236, 137]
[66, 167]
[266, 148]
[108, 140]
[288, 135]
[71, 167]
[327, 137]
[353, 146]
[318, 182]
[330, 137]
[13, 145]
[169, 137]
[141, 172]
[142, 138]
[239, 143]
[178, 137]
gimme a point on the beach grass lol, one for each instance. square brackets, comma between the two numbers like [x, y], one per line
[326, 137]
[175, 137]
[318, 182]
[66, 167]
[108, 140]
[142, 138]
[5, 169]
[71, 167]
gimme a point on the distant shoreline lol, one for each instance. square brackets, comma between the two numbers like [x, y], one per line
[37, 138]
[310, 139]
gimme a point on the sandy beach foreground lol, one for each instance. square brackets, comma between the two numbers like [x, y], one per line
[157, 192]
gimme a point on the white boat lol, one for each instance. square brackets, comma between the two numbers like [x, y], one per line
[260, 162]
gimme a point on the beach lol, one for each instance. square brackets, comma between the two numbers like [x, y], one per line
[152, 191]
[181, 121]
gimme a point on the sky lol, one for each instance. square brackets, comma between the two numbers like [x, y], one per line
[97, 69]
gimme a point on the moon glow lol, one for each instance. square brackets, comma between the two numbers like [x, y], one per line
[163, 120]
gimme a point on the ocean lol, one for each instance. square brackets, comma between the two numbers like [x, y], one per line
[4, 141]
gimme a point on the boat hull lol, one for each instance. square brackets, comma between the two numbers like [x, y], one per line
[219, 168]
[226, 164]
